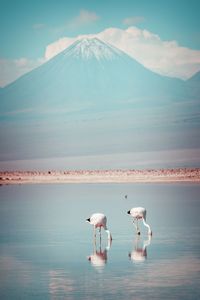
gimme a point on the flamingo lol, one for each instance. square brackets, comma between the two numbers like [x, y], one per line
[139, 213]
[99, 220]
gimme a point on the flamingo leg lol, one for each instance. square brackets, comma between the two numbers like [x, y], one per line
[100, 245]
[136, 225]
[94, 232]
[100, 233]
[94, 245]
[138, 229]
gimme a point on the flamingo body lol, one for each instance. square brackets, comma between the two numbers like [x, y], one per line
[99, 220]
[139, 213]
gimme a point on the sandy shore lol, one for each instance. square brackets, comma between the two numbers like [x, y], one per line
[107, 176]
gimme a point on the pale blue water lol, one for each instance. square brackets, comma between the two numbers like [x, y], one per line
[47, 250]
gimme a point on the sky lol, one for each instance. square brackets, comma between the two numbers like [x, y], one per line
[27, 28]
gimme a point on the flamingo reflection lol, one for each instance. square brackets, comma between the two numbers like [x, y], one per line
[99, 256]
[139, 252]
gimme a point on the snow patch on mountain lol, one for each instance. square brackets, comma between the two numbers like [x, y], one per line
[88, 48]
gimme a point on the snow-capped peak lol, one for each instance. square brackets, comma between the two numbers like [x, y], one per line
[87, 48]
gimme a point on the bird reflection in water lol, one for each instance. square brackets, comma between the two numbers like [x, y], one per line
[139, 252]
[99, 257]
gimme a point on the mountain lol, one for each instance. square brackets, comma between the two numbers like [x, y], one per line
[96, 106]
[89, 73]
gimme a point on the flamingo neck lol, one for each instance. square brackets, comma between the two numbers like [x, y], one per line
[149, 228]
[109, 234]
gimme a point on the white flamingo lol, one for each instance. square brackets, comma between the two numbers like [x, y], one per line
[139, 213]
[99, 220]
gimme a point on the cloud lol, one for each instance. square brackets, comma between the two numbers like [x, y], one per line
[163, 57]
[84, 18]
[13, 69]
[133, 20]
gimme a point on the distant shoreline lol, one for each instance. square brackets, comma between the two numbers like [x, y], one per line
[101, 176]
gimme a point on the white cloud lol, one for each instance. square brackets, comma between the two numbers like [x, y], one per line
[85, 17]
[133, 20]
[163, 57]
[13, 69]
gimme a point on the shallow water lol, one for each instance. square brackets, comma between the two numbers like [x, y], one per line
[47, 249]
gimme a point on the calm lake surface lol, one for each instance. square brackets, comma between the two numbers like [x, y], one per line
[47, 249]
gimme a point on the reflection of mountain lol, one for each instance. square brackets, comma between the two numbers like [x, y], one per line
[139, 252]
[94, 99]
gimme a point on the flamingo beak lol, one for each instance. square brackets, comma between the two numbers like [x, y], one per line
[129, 212]
[88, 220]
